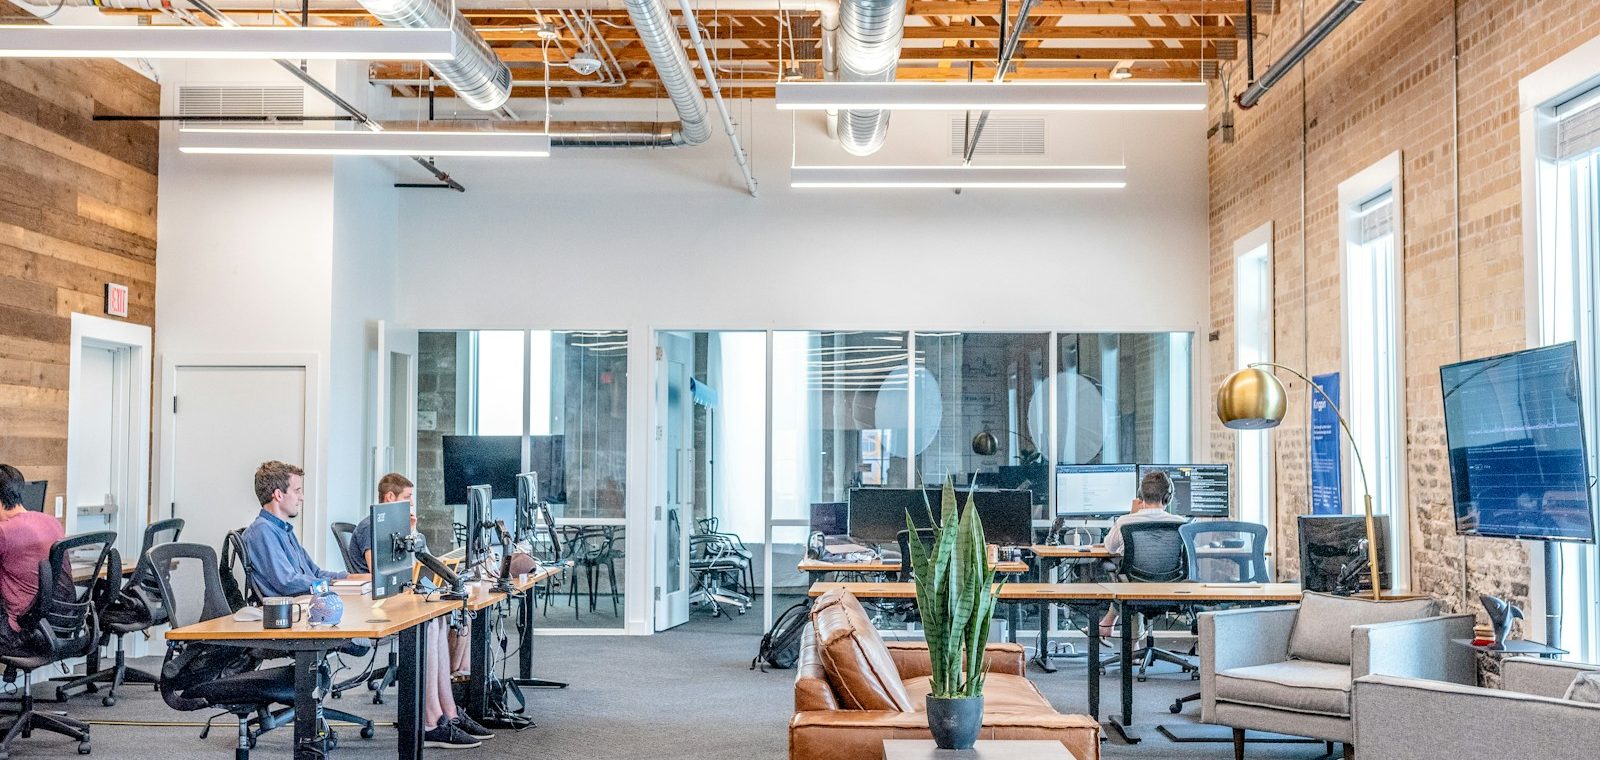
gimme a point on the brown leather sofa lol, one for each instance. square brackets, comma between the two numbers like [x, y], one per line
[853, 690]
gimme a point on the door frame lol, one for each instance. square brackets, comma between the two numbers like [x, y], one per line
[662, 614]
[315, 513]
[92, 331]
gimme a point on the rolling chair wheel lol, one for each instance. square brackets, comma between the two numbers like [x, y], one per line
[241, 754]
[368, 731]
[1141, 679]
[83, 748]
[377, 698]
[108, 701]
[1175, 707]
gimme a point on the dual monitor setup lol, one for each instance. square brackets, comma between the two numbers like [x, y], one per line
[496, 527]
[1106, 490]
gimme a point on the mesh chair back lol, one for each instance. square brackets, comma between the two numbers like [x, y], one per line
[234, 568]
[160, 532]
[1225, 551]
[66, 613]
[343, 532]
[190, 582]
[926, 535]
[1153, 553]
[141, 596]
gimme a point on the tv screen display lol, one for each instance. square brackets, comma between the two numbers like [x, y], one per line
[481, 460]
[1519, 464]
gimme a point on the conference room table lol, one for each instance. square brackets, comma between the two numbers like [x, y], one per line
[1091, 598]
[482, 599]
[402, 616]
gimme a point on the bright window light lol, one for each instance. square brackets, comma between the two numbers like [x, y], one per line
[331, 142]
[992, 96]
[376, 43]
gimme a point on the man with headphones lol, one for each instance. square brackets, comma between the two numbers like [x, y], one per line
[1149, 506]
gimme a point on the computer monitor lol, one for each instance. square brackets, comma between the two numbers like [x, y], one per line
[1095, 490]
[1333, 546]
[831, 518]
[33, 495]
[1198, 490]
[480, 499]
[877, 515]
[527, 506]
[391, 553]
[469, 460]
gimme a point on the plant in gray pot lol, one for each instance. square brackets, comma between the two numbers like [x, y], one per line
[956, 598]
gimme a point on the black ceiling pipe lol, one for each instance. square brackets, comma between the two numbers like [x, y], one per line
[1314, 36]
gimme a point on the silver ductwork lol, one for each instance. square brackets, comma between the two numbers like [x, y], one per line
[478, 76]
[659, 35]
[867, 50]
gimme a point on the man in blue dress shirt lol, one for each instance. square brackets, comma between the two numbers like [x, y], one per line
[280, 565]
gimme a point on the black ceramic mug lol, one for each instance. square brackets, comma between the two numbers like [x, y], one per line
[279, 612]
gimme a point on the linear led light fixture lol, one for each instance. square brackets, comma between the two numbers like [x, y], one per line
[329, 142]
[992, 96]
[364, 43]
[1020, 177]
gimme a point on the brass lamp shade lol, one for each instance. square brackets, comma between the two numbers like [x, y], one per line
[1251, 399]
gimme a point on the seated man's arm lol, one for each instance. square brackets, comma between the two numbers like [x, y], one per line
[275, 571]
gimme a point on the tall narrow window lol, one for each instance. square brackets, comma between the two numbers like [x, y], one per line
[1252, 315]
[1569, 275]
[1374, 399]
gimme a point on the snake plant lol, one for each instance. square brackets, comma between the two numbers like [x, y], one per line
[955, 596]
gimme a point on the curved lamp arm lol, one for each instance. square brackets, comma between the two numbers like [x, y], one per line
[1372, 538]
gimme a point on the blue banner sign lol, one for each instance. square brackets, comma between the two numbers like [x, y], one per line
[1327, 483]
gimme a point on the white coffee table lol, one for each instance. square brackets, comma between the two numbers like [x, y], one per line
[984, 749]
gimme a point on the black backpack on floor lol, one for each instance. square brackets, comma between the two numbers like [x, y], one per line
[780, 647]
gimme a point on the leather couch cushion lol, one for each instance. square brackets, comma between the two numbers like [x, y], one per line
[857, 664]
[1322, 626]
[1306, 686]
[1003, 694]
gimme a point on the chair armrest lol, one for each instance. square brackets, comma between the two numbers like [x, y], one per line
[912, 661]
[1542, 678]
[1419, 648]
[1240, 638]
[1412, 718]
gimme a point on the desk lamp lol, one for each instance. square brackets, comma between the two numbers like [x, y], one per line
[1254, 399]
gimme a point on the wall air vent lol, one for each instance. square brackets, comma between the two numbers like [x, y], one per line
[1002, 135]
[233, 100]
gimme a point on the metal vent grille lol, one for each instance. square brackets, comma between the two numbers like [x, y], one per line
[1002, 136]
[240, 101]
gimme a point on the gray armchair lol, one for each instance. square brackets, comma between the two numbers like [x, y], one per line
[1289, 670]
[1409, 719]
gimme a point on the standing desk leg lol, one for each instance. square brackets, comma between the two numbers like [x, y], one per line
[478, 680]
[525, 677]
[1095, 613]
[1047, 566]
[1013, 620]
[1122, 727]
[310, 742]
[408, 716]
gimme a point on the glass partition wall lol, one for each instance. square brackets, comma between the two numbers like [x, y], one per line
[547, 401]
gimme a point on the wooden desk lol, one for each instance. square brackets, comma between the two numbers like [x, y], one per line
[1092, 551]
[1093, 599]
[815, 569]
[402, 615]
[481, 599]
[81, 571]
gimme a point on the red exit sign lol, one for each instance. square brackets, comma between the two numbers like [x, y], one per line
[116, 300]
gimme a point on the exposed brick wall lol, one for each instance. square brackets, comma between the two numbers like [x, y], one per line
[1386, 81]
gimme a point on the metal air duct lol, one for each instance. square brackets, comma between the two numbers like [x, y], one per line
[659, 34]
[867, 50]
[478, 76]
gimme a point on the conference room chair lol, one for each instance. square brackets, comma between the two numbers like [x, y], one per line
[198, 675]
[61, 625]
[717, 569]
[1154, 553]
[237, 581]
[136, 608]
[710, 526]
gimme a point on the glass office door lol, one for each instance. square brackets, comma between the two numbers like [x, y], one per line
[675, 466]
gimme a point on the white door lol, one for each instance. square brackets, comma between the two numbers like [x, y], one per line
[226, 421]
[94, 482]
[674, 493]
[393, 412]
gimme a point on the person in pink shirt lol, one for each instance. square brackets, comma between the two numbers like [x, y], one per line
[25, 540]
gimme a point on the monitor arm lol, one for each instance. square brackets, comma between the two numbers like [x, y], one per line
[458, 588]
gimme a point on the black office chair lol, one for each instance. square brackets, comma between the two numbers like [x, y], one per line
[1154, 553]
[718, 571]
[241, 585]
[343, 532]
[60, 625]
[197, 675]
[1223, 551]
[136, 609]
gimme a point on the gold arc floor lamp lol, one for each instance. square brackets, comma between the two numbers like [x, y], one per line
[1254, 399]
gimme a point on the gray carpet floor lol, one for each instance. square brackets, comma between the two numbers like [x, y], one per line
[686, 693]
